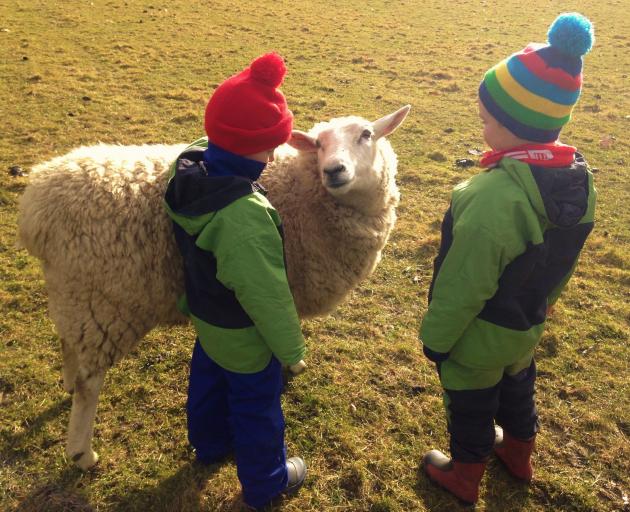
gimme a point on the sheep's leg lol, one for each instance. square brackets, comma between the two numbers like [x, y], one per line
[70, 366]
[81, 428]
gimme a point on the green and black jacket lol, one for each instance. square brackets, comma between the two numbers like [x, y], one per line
[510, 242]
[230, 237]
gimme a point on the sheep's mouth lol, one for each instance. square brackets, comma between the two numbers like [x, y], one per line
[337, 182]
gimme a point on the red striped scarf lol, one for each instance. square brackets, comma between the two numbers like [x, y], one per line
[554, 154]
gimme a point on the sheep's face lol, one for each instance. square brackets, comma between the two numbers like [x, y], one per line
[347, 149]
[345, 152]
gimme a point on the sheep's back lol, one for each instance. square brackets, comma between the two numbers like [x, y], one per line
[96, 216]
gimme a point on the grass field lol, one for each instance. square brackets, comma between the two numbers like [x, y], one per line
[139, 71]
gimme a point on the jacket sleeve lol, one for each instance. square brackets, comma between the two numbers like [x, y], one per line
[467, 278]
[589, 219]
[249, 252]
[555, 294]
[255, 270]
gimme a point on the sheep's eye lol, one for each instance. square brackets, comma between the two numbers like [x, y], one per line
[366, 135]
[318, 144]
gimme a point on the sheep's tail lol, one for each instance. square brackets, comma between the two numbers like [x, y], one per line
[31, 226]
[38, 210]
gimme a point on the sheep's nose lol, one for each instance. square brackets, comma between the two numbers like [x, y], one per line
[335, 171]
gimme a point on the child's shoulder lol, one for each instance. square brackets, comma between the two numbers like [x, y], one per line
[251, 203]
[249, 217]
[490, 199]
[250, 209]
[488, 187]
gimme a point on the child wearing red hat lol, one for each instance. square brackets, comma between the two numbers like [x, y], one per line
[510, 242]
[237, 293]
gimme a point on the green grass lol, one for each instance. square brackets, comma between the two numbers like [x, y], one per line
[78, 72]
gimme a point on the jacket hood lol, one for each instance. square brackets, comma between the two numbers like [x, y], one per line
[560, 194]
[194, 195]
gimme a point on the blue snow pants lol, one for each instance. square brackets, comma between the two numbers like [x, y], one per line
[240, 413]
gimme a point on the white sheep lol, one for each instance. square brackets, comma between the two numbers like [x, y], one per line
[96, 220]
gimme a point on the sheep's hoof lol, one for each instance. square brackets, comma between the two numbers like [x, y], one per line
[85, 460]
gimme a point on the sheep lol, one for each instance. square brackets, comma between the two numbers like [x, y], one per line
[95, 218]
[336, 193]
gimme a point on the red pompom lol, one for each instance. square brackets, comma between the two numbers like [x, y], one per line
[269, 69]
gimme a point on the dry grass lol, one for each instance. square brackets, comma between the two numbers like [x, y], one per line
[77, 72]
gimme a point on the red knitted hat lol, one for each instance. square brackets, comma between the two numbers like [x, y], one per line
[247, 113]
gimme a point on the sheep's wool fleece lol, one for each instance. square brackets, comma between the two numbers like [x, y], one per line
[96, 220]
[330, 247]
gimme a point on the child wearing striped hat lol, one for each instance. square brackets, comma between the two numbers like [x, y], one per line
[510, 242]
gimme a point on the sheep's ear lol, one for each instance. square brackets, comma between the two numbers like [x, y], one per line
[386, 125]
[302, 141]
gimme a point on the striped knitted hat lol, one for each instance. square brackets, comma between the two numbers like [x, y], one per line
[532, 92]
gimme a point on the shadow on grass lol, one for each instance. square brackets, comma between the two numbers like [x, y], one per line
[63, 492]
[14, 444]
[177, 493]
[503, 493]
[57, 495]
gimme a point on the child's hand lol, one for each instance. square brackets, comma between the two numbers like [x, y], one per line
[297, 367]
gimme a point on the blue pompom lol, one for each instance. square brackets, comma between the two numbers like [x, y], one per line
[571, 34]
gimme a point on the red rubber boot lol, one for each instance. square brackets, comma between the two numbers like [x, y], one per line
[459, 478]
[515, 454]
